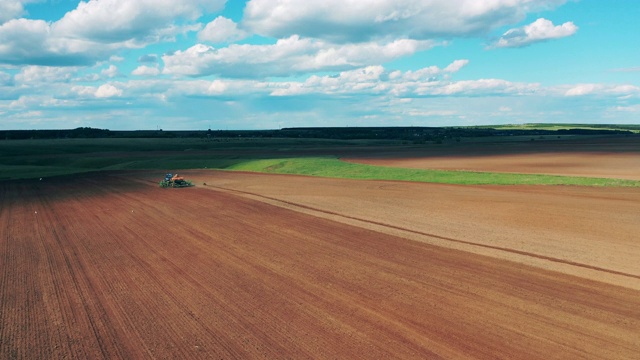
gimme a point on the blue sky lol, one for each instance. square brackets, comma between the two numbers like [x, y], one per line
[268, 64]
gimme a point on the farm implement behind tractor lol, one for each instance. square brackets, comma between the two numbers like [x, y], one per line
[174, 181]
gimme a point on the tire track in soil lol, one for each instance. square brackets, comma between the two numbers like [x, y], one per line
[256, 280]
[550, 321]
[239, 264]
[90, 305]
[312, 297]
[449, 239]
[153, 274]
[15, 297]
[142, 273]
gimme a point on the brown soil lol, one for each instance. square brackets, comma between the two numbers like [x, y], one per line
[606, 157]
[112, 266]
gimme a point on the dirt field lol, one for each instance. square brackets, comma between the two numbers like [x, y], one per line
[606, 157]
[268, 266]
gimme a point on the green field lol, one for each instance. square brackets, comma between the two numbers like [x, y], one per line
[21, 159]
[332, 167]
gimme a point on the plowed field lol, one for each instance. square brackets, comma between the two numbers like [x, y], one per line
[268, 266]
[591, 157]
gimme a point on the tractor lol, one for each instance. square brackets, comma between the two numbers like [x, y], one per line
[174, 181]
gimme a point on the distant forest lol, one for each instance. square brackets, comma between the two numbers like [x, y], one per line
[414, 134]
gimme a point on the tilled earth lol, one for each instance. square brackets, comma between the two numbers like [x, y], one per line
[606, 157]
[269, 266]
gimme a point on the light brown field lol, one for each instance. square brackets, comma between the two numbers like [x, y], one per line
[273, 266]
[591, 157]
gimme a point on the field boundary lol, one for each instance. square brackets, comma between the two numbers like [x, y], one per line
[334, 167]
[430, 235]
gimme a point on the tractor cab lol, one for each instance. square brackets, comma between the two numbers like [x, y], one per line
[168, 177]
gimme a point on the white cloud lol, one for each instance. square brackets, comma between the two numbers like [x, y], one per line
[364, 80]
[221, 30]
[288, 56]
[429, 113]
[39, 101]
[83, 91]
[113, 21]
[628, 109]
[144, 70]
[23, 39]
[456, 66]
[44, 74]
[96, 29]
[10, 9]
[217, 87]
[582, 89]
[356, 20]
[539, 30]
[624, 91]
[31, 42]
[111, 71]
[483, 87]
[107, 91]
[376, 80]
[368, 80]
[431, 72]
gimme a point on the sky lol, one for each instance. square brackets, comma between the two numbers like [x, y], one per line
[269, 64]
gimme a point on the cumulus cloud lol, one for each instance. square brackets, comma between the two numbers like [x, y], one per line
[485, 87]
[623, 91]
[45, 74]
[111, 71]
[112, 21]
[288, 56]
[375, 80]
[83, 91]
[539, 30]
[10, 9]
[23, 39]
[582, 89]
[144, 70]
[367, 79]
[36, 102]
[107, 91]
[217, 87]
[456, 66]
[31, 42]
[430, 73]
[221, 30]
[355, 20]
[96, 29]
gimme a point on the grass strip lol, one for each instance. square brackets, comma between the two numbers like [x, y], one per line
[335, 168]
[311, 166]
